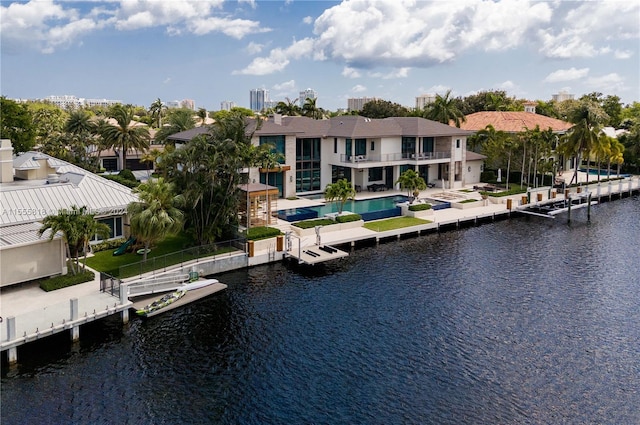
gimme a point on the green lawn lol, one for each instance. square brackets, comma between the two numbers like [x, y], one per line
[105, 261]
[394, 223]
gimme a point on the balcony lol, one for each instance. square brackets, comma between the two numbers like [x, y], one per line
[403, 157]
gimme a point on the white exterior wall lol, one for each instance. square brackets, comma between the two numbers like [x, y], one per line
[33, 261]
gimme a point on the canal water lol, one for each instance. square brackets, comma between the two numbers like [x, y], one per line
[523, 321]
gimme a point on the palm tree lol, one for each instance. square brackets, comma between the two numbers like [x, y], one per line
[87, 227]
[268, 159]
[616, 156]
[79, 122]
[63, 223]
[202, 114]
[340, 191]
[177, 121]
[496, 144]
[412, 182]
[583, 136]
[125, 134]
[602, 150]
[445, 110]
[156, 215]
[156, 110]
[309, 109]
[288, 108]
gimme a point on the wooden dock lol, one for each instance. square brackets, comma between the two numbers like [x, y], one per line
[189, 297]
[315, 254]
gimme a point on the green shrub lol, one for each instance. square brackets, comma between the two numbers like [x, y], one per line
[122, 181]
[308, 224]
[63, 281]
[348, 218]
[127, 174]
[419, 207]
[487, 176]
[112, 244]
[257, 233]
[513, 191]
[292, 198]
[468, 201]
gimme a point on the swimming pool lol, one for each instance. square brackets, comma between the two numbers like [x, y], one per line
[369, 209]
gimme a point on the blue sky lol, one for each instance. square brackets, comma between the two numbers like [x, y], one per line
[210, 51]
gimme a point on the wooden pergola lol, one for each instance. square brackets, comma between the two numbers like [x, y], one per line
[260, 200]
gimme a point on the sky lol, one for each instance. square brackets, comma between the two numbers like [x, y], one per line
[137, 51]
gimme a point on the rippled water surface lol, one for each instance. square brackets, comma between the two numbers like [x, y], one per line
[527, 320]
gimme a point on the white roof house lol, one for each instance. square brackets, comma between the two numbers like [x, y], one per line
[34, 185]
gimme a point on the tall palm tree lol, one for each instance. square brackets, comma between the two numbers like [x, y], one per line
[340, 191]
[202, 114]
[177, 121]
[583, 136]
[309, 109]
[496, 144]
[411, 181]
[288, 108]
[125, 134]
[87, 227]
[63, 223]
[445, 110]
[602, 150]
[156, 215]
[616, 156]
[268, 159]
[156, 110]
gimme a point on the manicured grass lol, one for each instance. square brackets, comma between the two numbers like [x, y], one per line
[105, 261]
[468, 201]
[394, 223]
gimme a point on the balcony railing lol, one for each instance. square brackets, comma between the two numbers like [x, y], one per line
[392, 157]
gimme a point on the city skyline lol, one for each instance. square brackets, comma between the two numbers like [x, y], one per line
[215, 51]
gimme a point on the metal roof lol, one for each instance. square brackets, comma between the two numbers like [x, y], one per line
[23, 234]
[24, 201]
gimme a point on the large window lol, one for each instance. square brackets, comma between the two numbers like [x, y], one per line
[408, 146]
[361, 147]
[278, 143]
[339, 173]
[307, 165]
[115, 226]
[375, 174]
[427, 144]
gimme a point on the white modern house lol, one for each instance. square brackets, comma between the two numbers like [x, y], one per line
[369, 153]
[34, 185]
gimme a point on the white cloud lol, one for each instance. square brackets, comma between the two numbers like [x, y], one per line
[358, 88]
[610, 83]
[47, 25]
[396, 73]
[435, 89]
[307, 20]
[587, 27]
[286, 86]
[254, 48]
[622, 54]
[349, 72]
[566, 75]
[278, 59]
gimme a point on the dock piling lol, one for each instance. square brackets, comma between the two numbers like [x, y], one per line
[75, 330]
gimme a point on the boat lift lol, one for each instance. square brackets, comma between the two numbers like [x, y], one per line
[312, 254]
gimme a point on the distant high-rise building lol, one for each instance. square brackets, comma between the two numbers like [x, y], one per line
[227, 105]
[71, 102]
[307, 94]
[561, 96]
[357, 103]
[257, 99]
[173, 104]
[424, 100]
[188, 104]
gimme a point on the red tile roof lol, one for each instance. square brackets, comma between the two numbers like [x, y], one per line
[513, 122]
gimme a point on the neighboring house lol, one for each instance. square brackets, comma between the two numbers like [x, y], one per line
[33, 186]
[370, 153]
[518, 122]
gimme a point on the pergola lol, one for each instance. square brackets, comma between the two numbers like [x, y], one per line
[260, 200]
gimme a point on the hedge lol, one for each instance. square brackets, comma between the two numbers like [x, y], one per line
[308, 224]
[263, 232]
[112, 244]
[63, 281]
[348, 218]
[121, 180]
[419, 207]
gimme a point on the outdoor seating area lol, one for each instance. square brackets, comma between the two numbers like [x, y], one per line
[376, 187]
